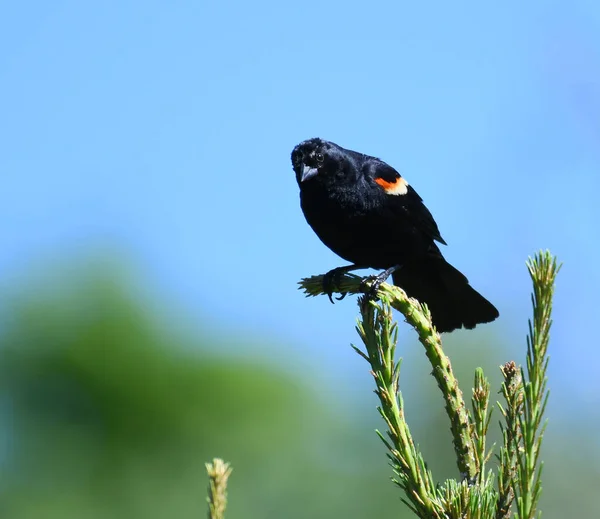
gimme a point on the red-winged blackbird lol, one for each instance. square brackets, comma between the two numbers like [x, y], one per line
[364, 211]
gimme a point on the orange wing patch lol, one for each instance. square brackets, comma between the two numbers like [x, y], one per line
[398, 187]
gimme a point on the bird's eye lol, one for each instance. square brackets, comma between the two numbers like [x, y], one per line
[320, 157]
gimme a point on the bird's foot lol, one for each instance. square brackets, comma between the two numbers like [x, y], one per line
[331, 281]
[371, 284]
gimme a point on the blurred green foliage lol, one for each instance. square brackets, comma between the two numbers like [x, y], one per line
[108, 413]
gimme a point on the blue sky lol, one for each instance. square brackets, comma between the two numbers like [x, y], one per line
[163, 129]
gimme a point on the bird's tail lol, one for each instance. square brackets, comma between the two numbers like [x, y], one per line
[446, 291]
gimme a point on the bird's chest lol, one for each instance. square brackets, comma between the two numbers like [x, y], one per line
[338, 212]
[354, 227]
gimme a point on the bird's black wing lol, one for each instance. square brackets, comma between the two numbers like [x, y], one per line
[403, 200]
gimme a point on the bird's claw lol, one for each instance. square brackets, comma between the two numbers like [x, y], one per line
[370, 286]
[331, 280]
[376, 282]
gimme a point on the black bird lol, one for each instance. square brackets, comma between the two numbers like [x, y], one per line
[367, 213]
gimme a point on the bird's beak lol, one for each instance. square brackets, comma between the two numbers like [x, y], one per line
[308, 172]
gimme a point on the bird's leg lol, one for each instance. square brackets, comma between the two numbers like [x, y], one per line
[332, 280]
[377, 280]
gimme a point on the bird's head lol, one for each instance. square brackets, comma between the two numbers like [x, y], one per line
[317, 159]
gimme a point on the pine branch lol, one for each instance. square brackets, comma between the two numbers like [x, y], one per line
[481, 421]
[218, 474]
[512, 390]
[419, 317]
[543, 269]
[524, 392]
[379, 334]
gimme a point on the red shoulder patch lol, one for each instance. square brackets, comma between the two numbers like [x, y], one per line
[398, 186]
